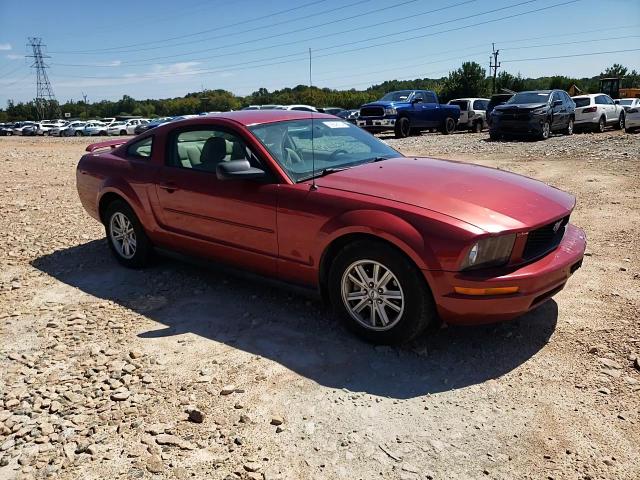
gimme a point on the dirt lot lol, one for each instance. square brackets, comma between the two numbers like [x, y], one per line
[99, 364]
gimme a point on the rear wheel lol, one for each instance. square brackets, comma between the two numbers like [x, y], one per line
[569, 129]
[402, 128]
[620, 123]
[78, 133]
[379, 293]
[448, 126]
[477, 127]
[126, 237]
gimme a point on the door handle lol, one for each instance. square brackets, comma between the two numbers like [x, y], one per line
[169, 187]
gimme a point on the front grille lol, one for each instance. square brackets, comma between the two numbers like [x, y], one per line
[544, 239]
[372, 112]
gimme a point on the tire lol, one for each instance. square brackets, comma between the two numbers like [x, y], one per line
[123, 132]
[102, 133]
[402, 128]
[545, 133]
[619, 125]
[119, 215]
[570, 127]
[448, 126]
[416, 306]
[78, 133]
[493, 135]
[477, 127]
[629, 130]
[602, 124]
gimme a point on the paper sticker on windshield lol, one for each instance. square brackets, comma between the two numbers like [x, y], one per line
[338, 124]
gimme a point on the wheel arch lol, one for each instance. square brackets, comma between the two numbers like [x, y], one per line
[111, 194]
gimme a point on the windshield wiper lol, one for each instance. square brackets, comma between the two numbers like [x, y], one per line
[324, 172]
[378, 159]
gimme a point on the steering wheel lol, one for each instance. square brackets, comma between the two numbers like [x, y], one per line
[335, 155]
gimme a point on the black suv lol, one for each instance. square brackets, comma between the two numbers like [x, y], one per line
[537, 113]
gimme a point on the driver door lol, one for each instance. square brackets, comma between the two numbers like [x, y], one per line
[236, 218]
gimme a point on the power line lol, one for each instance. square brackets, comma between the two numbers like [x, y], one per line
[571, 55]
[152, 60]
[255, 19]
[11, 72]
[243, 67]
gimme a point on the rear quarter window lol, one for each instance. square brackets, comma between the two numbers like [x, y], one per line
[141, 148]
[582, 102]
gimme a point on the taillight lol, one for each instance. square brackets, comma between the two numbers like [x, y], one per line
[590, 110]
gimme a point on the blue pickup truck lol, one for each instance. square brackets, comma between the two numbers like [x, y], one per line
[408, 112]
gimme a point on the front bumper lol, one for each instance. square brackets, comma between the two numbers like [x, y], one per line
[521, 126]
[537, 282]
[377, 124]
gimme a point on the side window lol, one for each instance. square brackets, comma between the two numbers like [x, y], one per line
[600, 100]
[204, 148]
[429, 97]
[141, 149]
[480, 105]
[608, 100]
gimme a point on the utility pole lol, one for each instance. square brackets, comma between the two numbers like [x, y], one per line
[494, 65]
[46, 104]
[86, 108]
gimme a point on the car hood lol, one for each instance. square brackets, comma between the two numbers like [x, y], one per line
[520, 106]
[488, 198]
[387, 104]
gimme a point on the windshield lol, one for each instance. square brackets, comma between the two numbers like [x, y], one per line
[400, 96]
[626, 102]
[336, 145]
[530, 97]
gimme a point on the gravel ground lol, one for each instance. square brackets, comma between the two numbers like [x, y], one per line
[181, 371]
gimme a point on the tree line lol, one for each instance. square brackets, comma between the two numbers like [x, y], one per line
[470, 80]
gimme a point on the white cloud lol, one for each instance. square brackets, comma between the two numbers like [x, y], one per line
[113, 63]
[13, 56]
[5, 46]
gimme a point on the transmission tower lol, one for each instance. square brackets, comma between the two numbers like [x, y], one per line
[46, 104]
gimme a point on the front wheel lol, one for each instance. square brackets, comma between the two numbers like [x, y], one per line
[380, 294]
[546, 130]
[126, 237]
[449, 126]
[402, 128]
[602, 124]
[78, 133]
[123, 132]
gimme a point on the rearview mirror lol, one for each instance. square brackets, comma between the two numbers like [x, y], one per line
[238, 170]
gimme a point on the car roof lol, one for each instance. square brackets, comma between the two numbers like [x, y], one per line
[253, 117]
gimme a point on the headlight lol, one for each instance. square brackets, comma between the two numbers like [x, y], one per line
[390, 111]
[489, 252]
[540, 111]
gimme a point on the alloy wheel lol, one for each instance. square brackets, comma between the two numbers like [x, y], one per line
[546, 130]
[372, 295]
[122, 234]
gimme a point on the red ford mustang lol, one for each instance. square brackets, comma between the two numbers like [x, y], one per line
[395, 243]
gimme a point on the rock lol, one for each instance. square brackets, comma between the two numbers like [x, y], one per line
[604, 390]
[7, 445]
[609, 363]
[46, 429]
[244, 418]
[251, 466]
[279, 429]
[154, 464]
[166, 439]
[55, 406]
[255, 476]
[277, 420]
[120, 395]
[637, 363]
[4, 461]
[227, 390]
[196, 416]
[135, 354]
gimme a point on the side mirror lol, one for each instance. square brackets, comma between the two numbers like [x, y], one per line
[617, 102]
[557, 103]
[417, 100]
[238, 170]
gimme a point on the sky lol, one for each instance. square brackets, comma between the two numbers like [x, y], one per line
[163, 49]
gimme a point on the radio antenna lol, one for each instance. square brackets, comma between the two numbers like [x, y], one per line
[313, 151]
